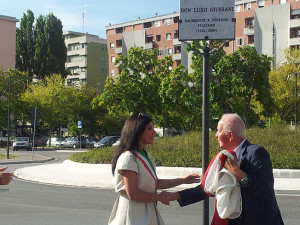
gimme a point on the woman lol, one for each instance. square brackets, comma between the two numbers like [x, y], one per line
[135, 176]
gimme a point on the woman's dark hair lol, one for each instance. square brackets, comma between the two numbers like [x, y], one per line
[134, 126]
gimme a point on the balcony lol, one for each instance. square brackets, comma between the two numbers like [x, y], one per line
[81, 51]
[176, 56]
[176, 42]
[149, 45]
[118, 50]
[294, 41]
[294, 23]
[249, 31]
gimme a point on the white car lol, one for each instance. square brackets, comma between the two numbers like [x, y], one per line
[55, 142]
[117, 142]
[22, 143]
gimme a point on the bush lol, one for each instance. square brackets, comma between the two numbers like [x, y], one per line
[185, 150]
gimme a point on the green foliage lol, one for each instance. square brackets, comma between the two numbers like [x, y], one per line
[40, 47]
[186, 150]
[18, 86]
[241, 83]
[282, 81]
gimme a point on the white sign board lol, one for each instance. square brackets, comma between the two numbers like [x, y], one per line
[206, 20]
[79, 124]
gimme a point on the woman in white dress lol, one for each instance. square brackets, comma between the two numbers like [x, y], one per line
[135, 177]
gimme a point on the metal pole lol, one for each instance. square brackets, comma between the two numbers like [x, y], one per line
[34, 121]
[8, 115]
[205, 127]
[296, 74]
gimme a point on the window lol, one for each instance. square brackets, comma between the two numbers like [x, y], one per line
[119, 30]
[237, 8]
[112, 45]
[249, 22]
[160, 52]
[169, 51]
[249, 6]
[158, 37]
[175, 19]
[119, 43]
[226, 45]
[261, 3]
[168, 36]
[147, 24]
[167, 21]
[157, 23]
[176, 34]
[112, 72]
[113, 59]
[149, 38]
[240, 41]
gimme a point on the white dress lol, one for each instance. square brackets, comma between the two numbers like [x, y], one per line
[129, 212]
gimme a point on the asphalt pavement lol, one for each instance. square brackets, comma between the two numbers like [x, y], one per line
[287, 181]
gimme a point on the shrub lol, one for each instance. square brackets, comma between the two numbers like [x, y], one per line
[185, 150]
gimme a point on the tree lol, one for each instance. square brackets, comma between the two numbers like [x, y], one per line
[25, 44]
[54, 100]
[18, 86]
[136, 90]
[282, 82]
[41, 56]
[57, 51]
[40, 49]
[241, 83]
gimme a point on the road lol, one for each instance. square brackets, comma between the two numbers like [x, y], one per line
[28, 203]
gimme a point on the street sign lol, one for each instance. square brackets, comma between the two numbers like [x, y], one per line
[79, 124]
[206, 20]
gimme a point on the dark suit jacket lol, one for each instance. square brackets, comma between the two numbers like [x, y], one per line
[259, 205]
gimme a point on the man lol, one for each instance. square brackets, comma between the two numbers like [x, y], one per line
[253, 170]
[5, 178]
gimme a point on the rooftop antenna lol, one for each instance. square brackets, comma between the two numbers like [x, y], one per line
[83, 11]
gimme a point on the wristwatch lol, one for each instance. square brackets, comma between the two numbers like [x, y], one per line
[244, 181]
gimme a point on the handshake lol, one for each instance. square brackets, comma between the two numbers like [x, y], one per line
[165, 197]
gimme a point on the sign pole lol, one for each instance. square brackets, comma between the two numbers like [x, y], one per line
[205, 126]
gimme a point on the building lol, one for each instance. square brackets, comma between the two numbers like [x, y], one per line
[160, 32]
[86, 59]
[271, 26]
[8, 42]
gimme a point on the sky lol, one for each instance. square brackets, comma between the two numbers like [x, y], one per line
[89, 16]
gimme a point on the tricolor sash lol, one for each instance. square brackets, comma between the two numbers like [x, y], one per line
[143, 157]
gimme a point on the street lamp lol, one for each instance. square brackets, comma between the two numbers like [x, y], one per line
[296, 74]
[8, 113]
[8, 116]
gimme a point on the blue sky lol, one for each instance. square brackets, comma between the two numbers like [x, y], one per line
[98, 13]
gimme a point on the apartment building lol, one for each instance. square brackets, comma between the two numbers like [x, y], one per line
[159, 32]
[8, 42]
[271, 26]
[86, 60]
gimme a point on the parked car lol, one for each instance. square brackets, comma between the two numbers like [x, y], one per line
[117, 142]
[22, 143]
[106, 141]
[55, 142]
[73, 142]
[90, 141]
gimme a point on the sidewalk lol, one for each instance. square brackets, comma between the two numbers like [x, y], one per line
[100, 176]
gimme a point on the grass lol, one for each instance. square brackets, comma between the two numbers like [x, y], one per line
[3, 156]
[282, 143]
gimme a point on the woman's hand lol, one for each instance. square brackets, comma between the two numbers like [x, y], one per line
[192, 178]
[163, 197]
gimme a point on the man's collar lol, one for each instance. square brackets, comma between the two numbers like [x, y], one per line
[242, 142]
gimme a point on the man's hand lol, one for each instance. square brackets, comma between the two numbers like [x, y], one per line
[232, 166]
[192, 178]
[5, 178]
